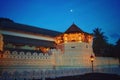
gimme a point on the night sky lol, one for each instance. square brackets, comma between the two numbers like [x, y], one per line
[60, 14]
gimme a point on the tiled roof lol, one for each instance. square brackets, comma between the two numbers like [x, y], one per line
[6, 25]
[28, 41]
[74, 29]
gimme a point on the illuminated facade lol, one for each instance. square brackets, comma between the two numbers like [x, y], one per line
[27, 49]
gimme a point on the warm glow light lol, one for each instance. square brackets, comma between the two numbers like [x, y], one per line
[73, 37]
[43, 49]
[92, 58]
[1, 42]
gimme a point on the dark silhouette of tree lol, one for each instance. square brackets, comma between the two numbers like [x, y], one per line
[117, 50]
[118, 43]
[99, 42]
[110, 50]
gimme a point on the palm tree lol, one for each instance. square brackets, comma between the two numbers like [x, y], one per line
[99, 41]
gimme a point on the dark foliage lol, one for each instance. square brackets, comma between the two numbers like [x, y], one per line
[99, 42]
[102, 48]
[117, 50]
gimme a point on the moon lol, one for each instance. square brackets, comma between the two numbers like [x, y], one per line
[71, 10]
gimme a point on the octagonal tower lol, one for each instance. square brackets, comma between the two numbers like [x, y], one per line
[76, 47]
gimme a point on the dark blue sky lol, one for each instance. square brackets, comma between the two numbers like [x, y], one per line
[60, 14]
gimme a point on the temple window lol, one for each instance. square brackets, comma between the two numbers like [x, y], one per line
[79, 38]
[83, 37]
[73, 37]
[65, 39]
[89, 38]
[73, 47]
[86, 46]
[58, 41]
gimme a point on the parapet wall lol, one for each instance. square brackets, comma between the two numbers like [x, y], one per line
[27, 58]
[56, 58]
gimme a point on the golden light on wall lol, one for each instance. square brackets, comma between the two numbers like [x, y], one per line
[44, 50]
[1, 42]
[73, 37]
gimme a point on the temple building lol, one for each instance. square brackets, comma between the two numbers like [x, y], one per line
[28, 49]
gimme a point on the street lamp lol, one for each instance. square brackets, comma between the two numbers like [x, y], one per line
[92, 59]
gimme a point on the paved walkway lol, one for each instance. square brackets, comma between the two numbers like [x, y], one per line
[90, 76]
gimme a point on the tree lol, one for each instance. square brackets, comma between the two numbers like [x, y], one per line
[117, 49]
[99, 42]
[110, 50]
